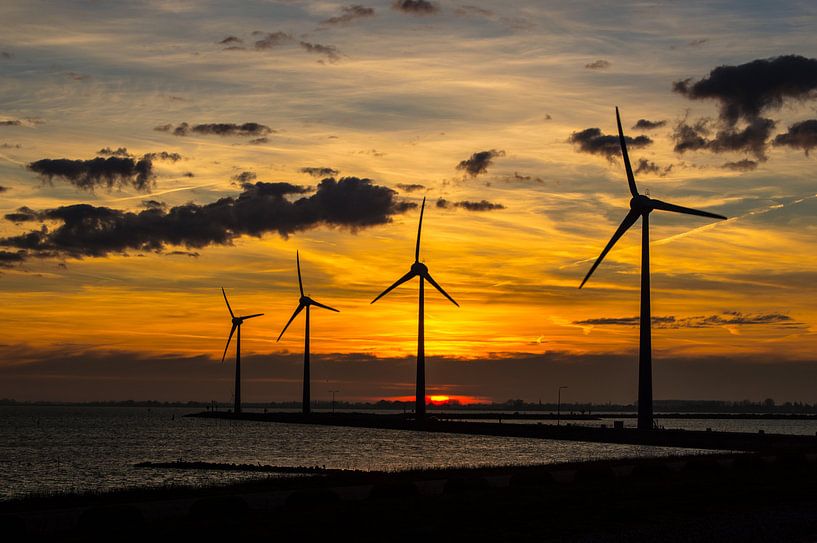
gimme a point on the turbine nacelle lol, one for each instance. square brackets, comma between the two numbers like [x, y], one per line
[641, 203]
[418, 268]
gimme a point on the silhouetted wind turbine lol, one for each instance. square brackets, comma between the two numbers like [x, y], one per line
[304, 302]
[237, 322]
[418, 269]
[642, 206]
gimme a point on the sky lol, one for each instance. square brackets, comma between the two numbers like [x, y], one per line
[152, 152]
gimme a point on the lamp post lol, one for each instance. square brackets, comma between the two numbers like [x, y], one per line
[333, 400]
[559, 406]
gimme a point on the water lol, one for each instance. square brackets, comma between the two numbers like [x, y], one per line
[62, 449]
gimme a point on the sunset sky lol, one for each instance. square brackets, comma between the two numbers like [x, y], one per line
[176, 117]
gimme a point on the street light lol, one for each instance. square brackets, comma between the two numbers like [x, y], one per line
[333, 400]
[559, 407]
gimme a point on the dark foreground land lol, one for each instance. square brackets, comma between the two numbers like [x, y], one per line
[719, 441]
[726, 497]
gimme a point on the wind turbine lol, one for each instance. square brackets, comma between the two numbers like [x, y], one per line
[304, 302]
[642, 206]
[237, 322]
[418, 269]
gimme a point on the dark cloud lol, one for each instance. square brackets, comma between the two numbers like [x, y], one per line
[330, 51]
[230, 40]
[350, 13]
[23, 214]
[319, 171]
[600, 64]
[272, 39]
[3, 189]
[802, 135]
[217, 129]
[10, 146]
[478, 162]
[107, 151]
[258, 141]
[747, 90]
[191, 254]
[644, 124]
[416, 7]
[744, 165]
[647, 166]
[592, 141]
[245, 177]
[97, 172]
[261, 208]
[11, 258]
[6, 55]
[163, 155]
[11, 122]
[727, 318]
[410, 187]
[750, 139]
[483, 205]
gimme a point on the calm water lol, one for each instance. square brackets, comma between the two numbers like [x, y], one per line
[53, 449]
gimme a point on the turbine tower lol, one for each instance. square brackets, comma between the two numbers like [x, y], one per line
[418, 269]
[642, 206]
[237, 322]
[304, 302]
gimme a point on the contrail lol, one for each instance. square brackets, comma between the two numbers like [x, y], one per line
[763, 211]
[178, 189]
[4, 157]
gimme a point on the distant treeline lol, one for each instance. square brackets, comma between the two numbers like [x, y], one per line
[665, 406]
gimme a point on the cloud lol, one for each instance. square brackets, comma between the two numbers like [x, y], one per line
[107, 151]
[410, 187]
[319, 171]
[6, 55]
[478, 162]
[747, 90]
[727, 318]
[244, 177]
[272, 39]
[163, 155]
[644, 124]
[88, 231]
[217, 129]
[97, 172]
[483, 205]
[416, 7]
[750, 139]
[8, 258]
[350, 13]
[230, 40]
[11, 122]
[331, 52]
[76, 76]
[802, 135]
[600, 64]
[592, 141]
[10, 146]
[3, 189]
[744, 165]
[647, 166]
[23, 214]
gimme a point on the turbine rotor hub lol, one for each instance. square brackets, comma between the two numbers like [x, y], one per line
[237, 321]
[419, 268]
[305, 300]
[640, 203]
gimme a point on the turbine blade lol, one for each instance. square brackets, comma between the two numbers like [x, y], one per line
[396, 284]
[419, 229]
[664, 206]
[230, 309]
[251, 316]
[300, 283]
[325, 306]
[630, 176]
[628, 221]
[292, 318]
[232, 331]
[434, 284]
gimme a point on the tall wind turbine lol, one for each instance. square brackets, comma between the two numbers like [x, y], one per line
[304, 302]
[418, 269]
[642, 206]
[237, 322]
